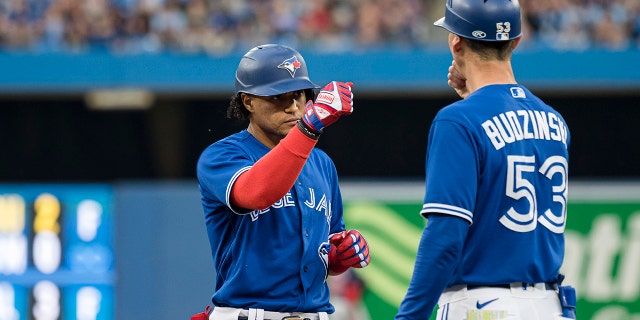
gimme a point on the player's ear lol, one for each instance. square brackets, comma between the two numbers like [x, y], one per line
[455, 42]
[514, 45]
[246, 101]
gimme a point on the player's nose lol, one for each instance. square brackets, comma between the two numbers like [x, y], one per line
[293, 106]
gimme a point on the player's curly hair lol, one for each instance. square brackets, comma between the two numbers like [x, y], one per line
[236, 108]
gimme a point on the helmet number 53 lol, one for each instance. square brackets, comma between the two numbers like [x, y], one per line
[503, 27]
[519, 188]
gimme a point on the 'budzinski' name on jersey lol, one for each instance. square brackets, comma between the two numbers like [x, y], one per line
[512, 126]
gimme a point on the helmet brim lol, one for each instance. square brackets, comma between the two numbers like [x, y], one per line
[273, 89]
[439, 22]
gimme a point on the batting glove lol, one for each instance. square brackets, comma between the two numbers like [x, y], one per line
[348, 249]
[334, 101]
[203, 315]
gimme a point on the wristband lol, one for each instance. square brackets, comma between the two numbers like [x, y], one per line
[307, 131]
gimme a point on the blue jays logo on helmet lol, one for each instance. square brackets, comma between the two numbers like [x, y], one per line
[292, 64]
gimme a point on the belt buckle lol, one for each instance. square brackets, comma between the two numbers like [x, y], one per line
[292, 318]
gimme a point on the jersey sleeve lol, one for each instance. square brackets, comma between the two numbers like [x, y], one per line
[451, 171]
[440, 247]
[218, 168]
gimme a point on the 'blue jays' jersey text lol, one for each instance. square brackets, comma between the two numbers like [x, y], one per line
[275, 258]
[499, 159]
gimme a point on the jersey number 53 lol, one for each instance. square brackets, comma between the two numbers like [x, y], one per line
[519, 188]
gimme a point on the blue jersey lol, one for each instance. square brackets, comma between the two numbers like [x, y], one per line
[499, 159]
[276, 258]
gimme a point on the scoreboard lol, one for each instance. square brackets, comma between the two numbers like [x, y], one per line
[56, 252]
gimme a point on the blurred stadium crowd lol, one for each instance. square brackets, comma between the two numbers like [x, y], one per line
[219, 27]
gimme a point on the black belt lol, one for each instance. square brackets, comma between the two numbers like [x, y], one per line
[548, 286]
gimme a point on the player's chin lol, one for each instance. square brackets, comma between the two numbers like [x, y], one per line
[286, 128]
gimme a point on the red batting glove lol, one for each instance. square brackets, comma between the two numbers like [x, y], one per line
[203, 315]
[334, 101]
[348, 249]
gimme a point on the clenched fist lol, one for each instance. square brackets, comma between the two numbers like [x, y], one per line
[334, 101]
[348, 249]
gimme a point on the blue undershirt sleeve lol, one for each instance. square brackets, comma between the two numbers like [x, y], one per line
[440, 248]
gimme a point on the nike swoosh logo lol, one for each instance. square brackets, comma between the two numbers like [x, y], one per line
[482, 305]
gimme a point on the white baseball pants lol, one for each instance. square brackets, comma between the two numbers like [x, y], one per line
[518, 302]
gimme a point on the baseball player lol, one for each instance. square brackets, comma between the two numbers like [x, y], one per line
[496, 184]
[272, 204]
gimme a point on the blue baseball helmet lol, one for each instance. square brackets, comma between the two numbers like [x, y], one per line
[272, 69]
[485, 20]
